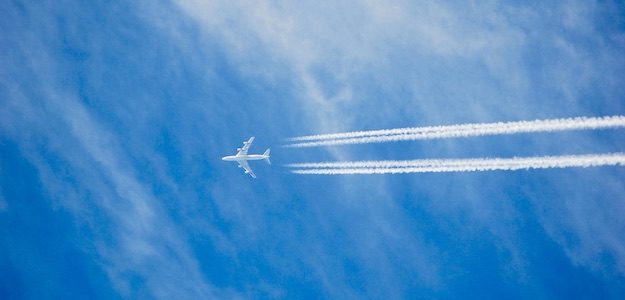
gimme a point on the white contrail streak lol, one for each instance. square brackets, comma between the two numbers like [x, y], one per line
[459, 165]
[461, 130]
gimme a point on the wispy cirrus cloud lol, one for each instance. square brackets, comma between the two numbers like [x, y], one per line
[452, 63]
[334, 67]
[86, 170]
[143, 236]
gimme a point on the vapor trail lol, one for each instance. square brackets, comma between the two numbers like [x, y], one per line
[459, 165]
[460, 130]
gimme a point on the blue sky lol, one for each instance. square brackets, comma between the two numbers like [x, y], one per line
[114, 116]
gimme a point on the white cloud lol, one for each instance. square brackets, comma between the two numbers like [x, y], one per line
[527, 53]
[132, 234]
[4, 205]
[143, 236]
[462, 64]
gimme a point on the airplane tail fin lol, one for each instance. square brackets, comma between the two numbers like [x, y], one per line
[266, 154]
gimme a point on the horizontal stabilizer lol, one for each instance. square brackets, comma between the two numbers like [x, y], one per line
[266, 155]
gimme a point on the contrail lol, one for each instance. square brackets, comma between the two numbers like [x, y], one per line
[461, 130]
[459, 165]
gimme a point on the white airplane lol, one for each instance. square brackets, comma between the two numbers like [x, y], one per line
[242, 157]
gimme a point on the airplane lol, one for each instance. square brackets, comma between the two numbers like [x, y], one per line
[242, 157]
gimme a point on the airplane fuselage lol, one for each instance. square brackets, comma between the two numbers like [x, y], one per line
[244, 157]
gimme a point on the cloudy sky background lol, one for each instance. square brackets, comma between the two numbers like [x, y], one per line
[114, 116]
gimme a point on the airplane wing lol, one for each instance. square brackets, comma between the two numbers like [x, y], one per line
[243, 164]
[246, 146]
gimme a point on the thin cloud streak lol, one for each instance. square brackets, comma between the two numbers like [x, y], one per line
[460, 130]
[459, 165]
